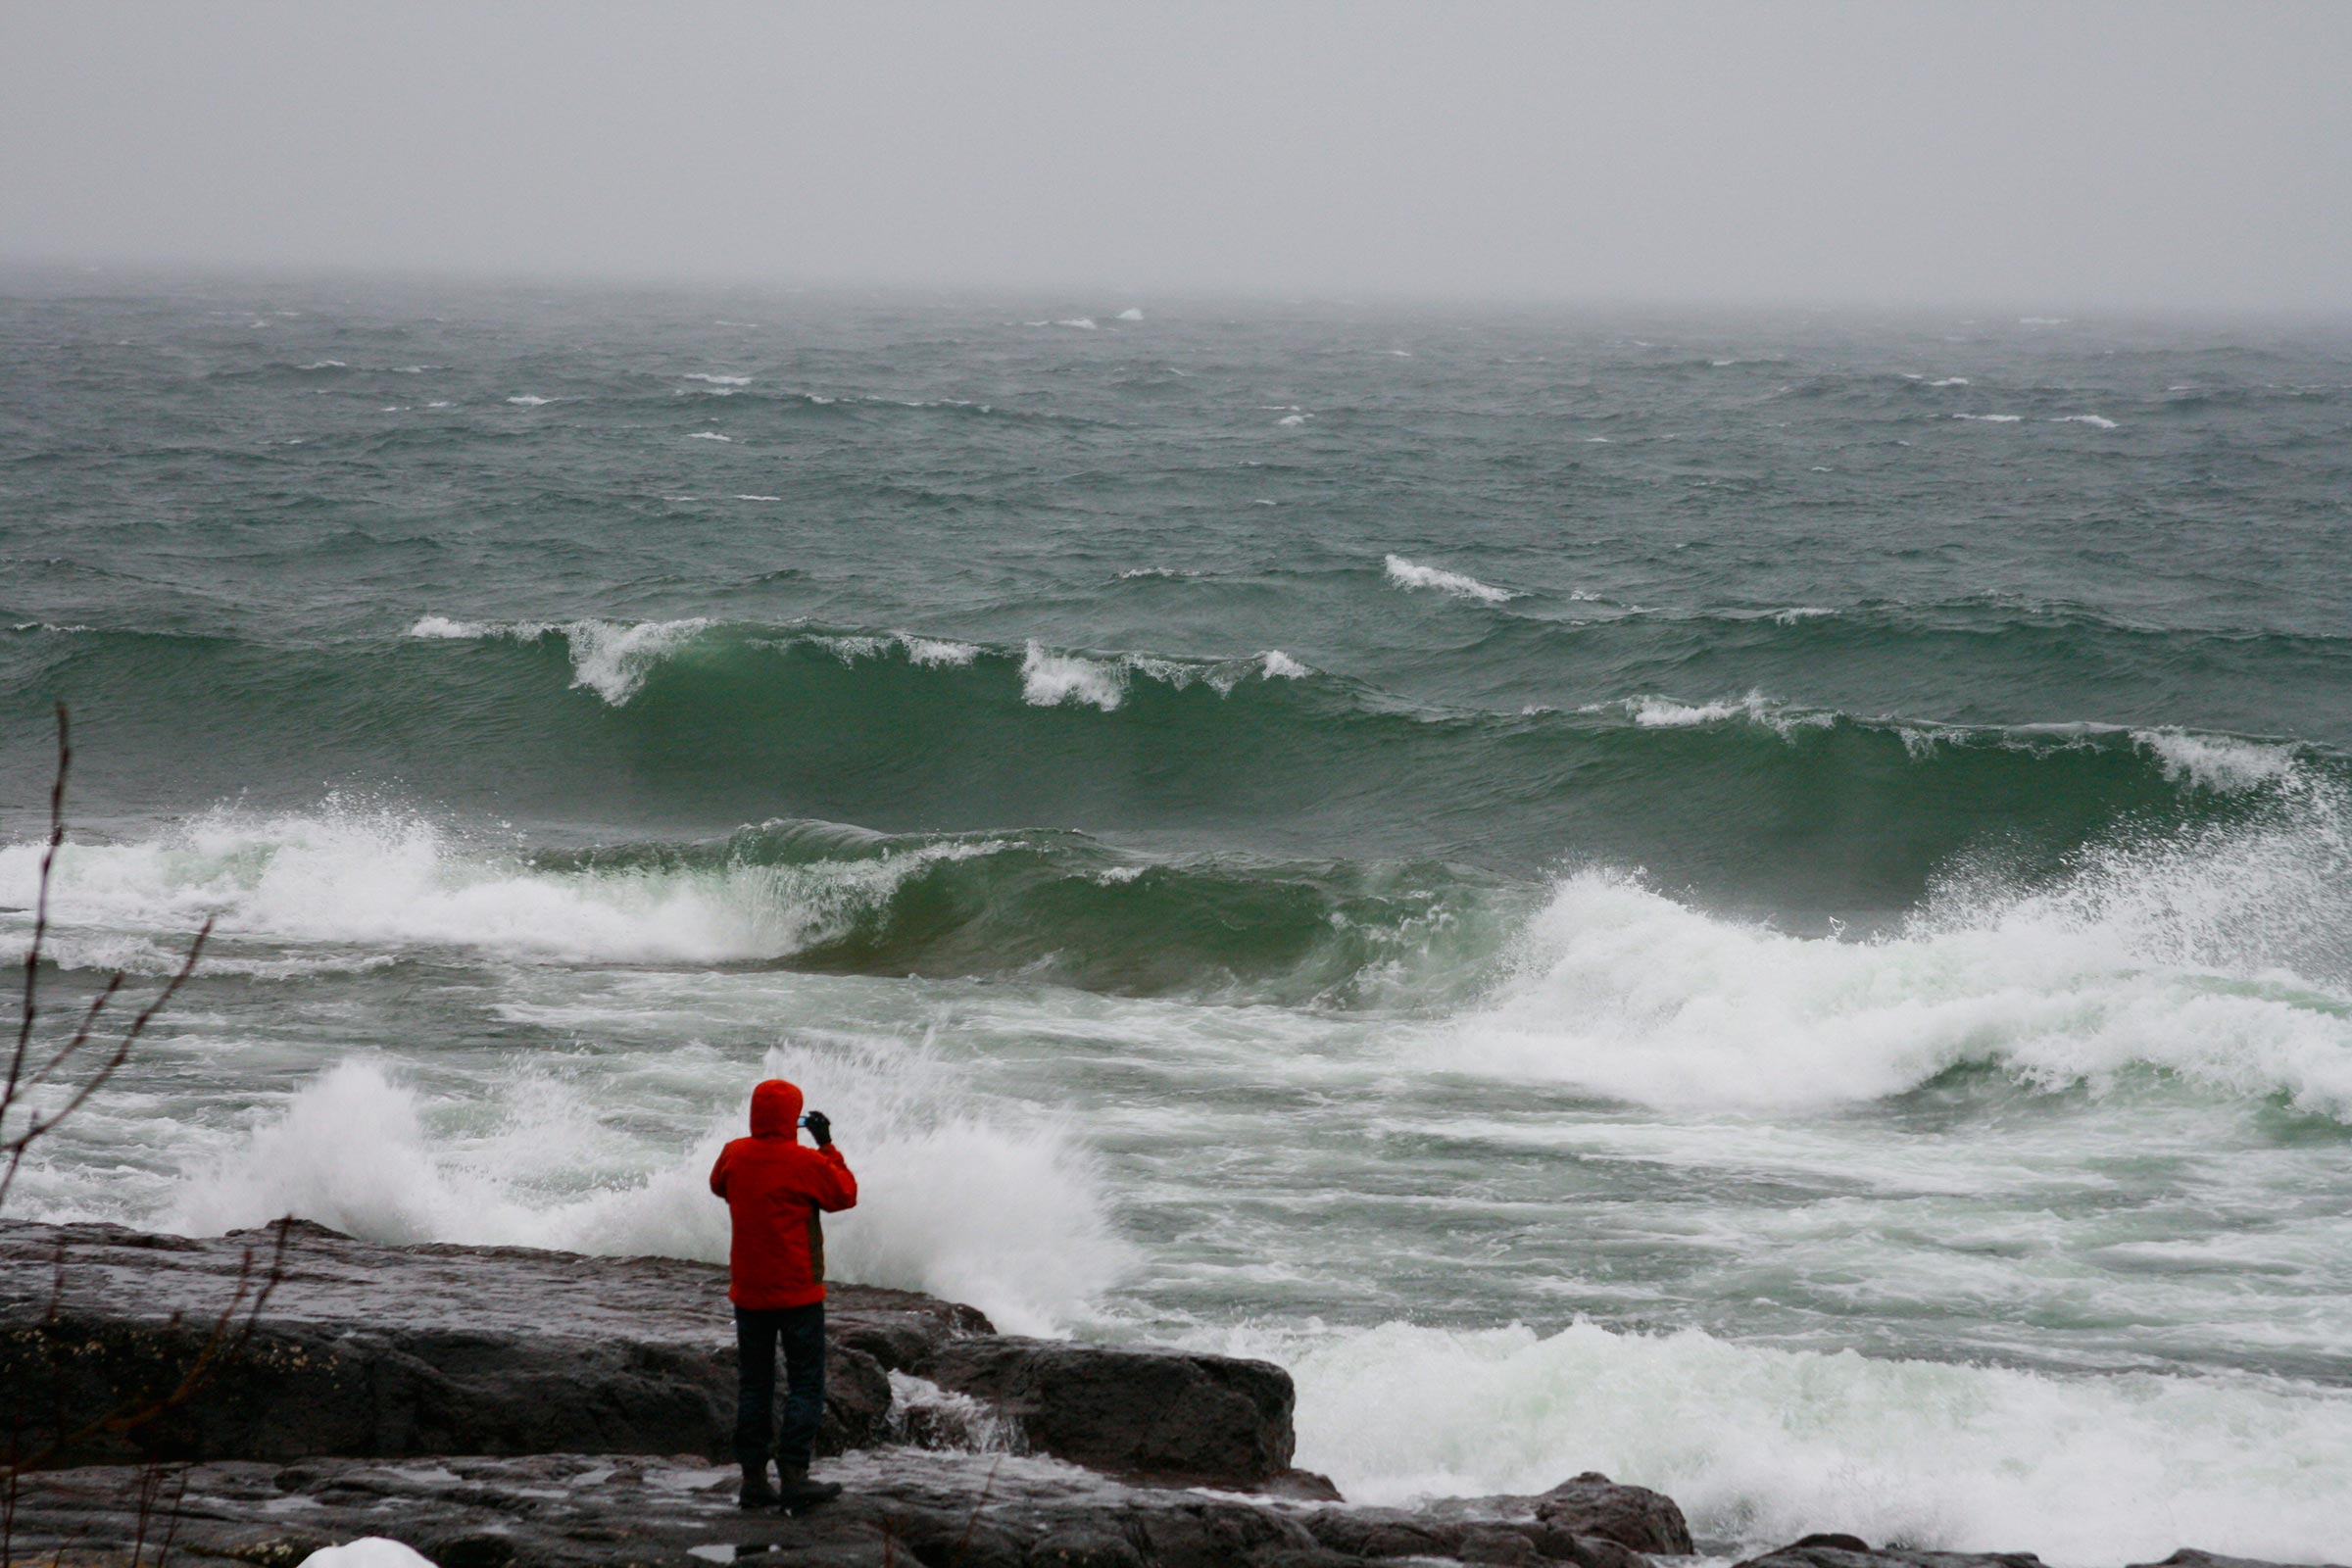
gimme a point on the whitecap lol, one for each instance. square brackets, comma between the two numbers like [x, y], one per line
[1991, 419]
[1761, 1443]
[1048, 680]
[1130, 313]
[2095, 420]
[1278, 665]
[709, 435]
[716, 380]
[528, 401]
[1407, 574]
[2222, 763]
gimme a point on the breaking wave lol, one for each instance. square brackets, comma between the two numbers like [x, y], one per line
[1763, 1445]
[974, 1202]
[1460, 585]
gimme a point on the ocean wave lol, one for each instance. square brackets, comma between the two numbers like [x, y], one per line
[609, 658]
[1991, 419]
[2219, 957]
[382, 878]
[2097, 422]
[978, 1203]
[350, 886]
[709, 435]
[1408, 574]
[1761, 1444]
[715, 381]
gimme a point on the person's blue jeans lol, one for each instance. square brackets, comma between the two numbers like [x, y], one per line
[801, 1331]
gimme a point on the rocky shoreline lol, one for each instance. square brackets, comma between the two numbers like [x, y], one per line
[506, 1408]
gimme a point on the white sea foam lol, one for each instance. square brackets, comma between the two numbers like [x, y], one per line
[937, 652]
[974, 1202]
[759, 498]
[392, 880]
[613, 660]
[1293, 418]
[608, 658]
[1991, 419]
[1278, 665]
[1130, 313]
[1762, 1444]
[716, 380]
[2220, 764]
[441, 626]
[1083, 323]
[2214, 958]
[2095, 420]
[1950, 381]
[1665, 712]
[709, 435]
[927, 652]
[1797, 612]
[1048, 680]
[1407, 574]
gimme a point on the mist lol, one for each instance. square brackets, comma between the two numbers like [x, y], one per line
[2172, 155]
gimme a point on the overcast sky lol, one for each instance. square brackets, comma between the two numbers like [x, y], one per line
[2069, 154]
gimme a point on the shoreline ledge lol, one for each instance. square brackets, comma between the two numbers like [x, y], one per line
[511, 1407]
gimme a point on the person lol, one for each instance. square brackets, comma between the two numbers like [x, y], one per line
[775, 1189]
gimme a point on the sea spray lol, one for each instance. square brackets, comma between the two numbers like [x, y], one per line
[1761, 1444]
[971, 1200]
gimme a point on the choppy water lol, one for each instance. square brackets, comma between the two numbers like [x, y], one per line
[1756, 902]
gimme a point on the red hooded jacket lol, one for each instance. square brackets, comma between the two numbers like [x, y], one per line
[774, 1188]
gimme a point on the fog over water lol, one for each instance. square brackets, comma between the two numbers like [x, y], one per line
[2144, 154]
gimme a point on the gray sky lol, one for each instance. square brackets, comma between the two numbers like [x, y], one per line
[2074, 154]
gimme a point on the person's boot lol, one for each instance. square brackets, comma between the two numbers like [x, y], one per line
[756, 1493]
[796, 1492]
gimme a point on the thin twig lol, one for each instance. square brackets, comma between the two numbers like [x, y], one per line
[41, 912]
[20, 1082]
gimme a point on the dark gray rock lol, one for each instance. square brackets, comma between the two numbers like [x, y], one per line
[1209, 1419]
[904, 1507]
[367, 1350]
[2190, 1557]
[1591, 1505]
[1847, 1551]
[1085, 1547]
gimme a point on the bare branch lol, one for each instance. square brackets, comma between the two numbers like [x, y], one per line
[20, 1081]
[40, 913]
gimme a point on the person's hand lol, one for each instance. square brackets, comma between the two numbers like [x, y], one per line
[821, 1128]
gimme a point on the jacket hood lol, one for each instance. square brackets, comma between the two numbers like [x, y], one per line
[776, 1109]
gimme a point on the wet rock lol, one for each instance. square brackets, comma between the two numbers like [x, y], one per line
[1301, 1486]
[904, 1507]
[1214, 1420]
[2190, 1557]
[1848, 1551]
[1085, 1548]
[1591, 1505]
[366, 1351]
